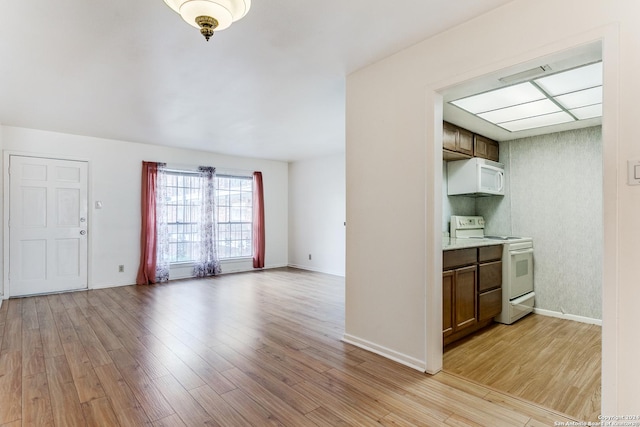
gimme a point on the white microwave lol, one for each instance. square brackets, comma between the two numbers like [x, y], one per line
[475, 177]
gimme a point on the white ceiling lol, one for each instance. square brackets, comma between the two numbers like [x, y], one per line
[271, 86]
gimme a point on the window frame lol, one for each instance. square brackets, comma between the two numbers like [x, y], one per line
[192, 173]
[241, 223]
[189, 173]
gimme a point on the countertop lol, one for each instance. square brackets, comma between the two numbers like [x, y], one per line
[449, 244]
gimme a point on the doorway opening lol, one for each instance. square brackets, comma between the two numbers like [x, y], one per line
[547, 201]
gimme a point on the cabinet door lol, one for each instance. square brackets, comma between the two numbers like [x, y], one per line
[465, 297]
[489, 276]
[486, 148]
[490, 304]
[459, 258]
[447, 303]
[449, 136]
[493, 151]
[490, 253]
[465, 142]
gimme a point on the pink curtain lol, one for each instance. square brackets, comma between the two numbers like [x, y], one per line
[148, 235]
[258, 221]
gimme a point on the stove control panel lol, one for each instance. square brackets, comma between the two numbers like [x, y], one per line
[467, 222]
[467, 226]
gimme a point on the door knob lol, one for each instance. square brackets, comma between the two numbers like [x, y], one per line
[83, 232]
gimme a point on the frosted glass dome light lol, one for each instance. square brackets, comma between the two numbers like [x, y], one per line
[210, 15]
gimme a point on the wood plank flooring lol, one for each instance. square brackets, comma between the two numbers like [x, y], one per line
[553, 362]
[249, 349]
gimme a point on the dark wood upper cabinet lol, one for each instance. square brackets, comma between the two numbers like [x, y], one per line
[459, 143]
[449, 136]
[486, 148]
[465, 142]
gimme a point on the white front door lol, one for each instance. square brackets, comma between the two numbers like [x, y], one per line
[47, 225]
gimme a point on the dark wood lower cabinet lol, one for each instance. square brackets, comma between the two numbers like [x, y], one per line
[471, 290]
[489, 304]
[459, 299]
[465, 297]
[447, 303]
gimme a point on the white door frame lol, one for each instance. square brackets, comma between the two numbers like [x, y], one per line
[4, 294]
[608, 36]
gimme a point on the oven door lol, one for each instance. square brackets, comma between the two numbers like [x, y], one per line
[520, 272]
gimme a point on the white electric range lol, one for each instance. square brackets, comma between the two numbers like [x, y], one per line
[518, 294]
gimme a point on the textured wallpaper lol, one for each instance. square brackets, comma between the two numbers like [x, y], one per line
[553, 194]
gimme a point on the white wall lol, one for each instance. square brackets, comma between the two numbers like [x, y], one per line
[1, 221]
[114, 179]
[393, 277]
[317, 214]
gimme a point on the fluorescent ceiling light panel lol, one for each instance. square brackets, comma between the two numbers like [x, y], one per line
[581, 98]
[537, 121]
[563, 97]
[572, 80]
[500, 98]
[587, 112]
[535, 108]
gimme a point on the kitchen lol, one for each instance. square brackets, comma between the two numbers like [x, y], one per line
[553, 195]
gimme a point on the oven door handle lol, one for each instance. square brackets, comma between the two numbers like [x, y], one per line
[521, 251]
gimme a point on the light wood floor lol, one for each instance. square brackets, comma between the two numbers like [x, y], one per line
[553, 362]
[244, 349]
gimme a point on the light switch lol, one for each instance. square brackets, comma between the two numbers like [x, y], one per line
[633, 172]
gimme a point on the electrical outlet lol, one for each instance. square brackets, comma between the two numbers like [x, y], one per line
[121, 268]
[309, 257]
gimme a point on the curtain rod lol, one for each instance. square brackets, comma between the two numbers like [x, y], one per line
[177, 167]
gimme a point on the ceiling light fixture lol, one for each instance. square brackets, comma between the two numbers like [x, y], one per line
[525, 75]
[210, 15]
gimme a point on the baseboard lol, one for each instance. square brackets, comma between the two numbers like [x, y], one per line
[411, 362]
[565, 316]
[248, 270]
[175, 277]
[316, 270]
[107, 286]
[228, 267]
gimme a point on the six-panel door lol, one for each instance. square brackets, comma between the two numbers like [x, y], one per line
[48, 225]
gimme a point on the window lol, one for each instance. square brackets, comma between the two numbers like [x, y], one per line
[183, 215]
[235, 215]
[234, 197]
